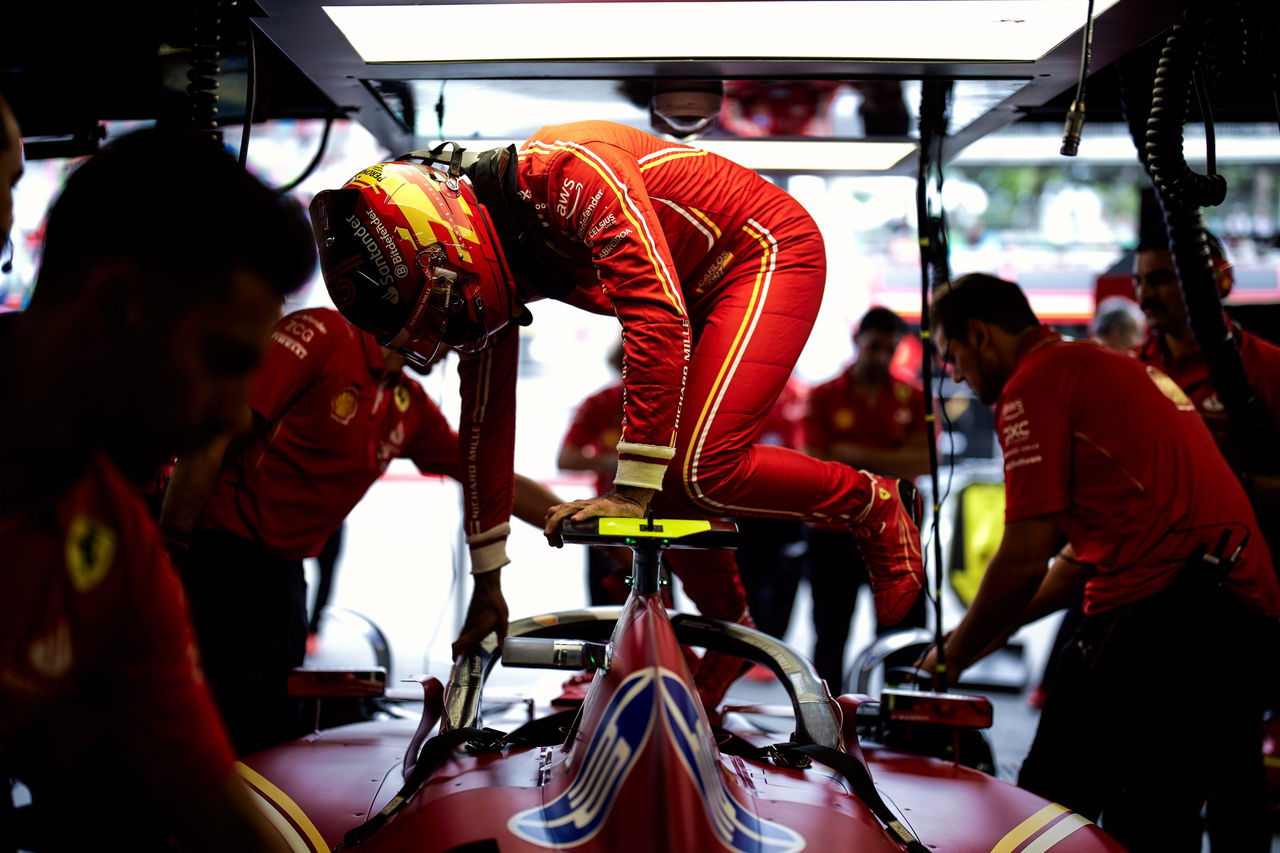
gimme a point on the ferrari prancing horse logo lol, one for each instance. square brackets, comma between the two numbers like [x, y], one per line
[90, 550]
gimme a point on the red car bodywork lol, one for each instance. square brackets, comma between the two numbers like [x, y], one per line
[642, 771]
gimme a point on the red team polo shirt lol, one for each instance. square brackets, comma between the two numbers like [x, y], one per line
[840, 411]
[332, 426]
[96, 640]
[1191, 372]
[1117, 453]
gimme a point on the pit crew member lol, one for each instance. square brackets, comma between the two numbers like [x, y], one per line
[328, 411]
[1236, 807]
[1172, 347]
[866, 418]
[1111, 452]
[129, 353]
[715, 275]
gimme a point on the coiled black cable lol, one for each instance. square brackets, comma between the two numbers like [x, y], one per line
[315, 161]
[250, 97]
[202, 75]
[1177, 182]
[1181, 192]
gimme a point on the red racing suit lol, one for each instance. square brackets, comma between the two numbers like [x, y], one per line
[716, 276]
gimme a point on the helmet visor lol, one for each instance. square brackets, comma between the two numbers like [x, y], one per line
[370, 288]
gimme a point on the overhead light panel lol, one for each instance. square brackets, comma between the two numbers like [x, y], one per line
[923, 30]
[763, 155]
[809, 155]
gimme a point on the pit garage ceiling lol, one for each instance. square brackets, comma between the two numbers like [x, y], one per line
[486, 94]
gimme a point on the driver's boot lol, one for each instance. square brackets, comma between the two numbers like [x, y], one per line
[887, 531]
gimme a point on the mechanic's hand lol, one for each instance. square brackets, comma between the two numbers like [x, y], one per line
[622, 502]
[929, 662]
[486, 614]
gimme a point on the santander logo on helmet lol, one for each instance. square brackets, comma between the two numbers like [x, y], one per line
[410, 256]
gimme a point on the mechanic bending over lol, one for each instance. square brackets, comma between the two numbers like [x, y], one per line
[132, 350]
[715, 274]
[1175, 647]
[328, 411]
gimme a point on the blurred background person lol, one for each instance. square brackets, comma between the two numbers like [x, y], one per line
[868, 419]
[590, 444]
[771, 551]
[1118, 324]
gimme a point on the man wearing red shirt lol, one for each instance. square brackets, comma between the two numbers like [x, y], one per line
[1172, 347]
[1236, 801]
[715, 275]
[865, 418]
[104, 712]
[1111, 454]
[329, 409]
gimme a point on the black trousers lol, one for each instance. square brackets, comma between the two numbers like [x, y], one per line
[326, 570]
[770, 567]
[1154, 709]
[836, 573]
[249, 610]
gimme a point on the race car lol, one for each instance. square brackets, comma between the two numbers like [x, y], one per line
[639, 766]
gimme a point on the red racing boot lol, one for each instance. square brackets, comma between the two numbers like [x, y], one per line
[574, 690]
[888, 534]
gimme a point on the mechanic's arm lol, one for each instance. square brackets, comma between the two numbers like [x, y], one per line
[532, 500]
[1062, 587]
[1010, 585]
[575, 458]
[193, 479]
[911, 460]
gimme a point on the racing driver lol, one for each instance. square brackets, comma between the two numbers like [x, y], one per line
[715, 275]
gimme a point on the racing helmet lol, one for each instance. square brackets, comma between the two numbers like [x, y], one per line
[410, 256]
